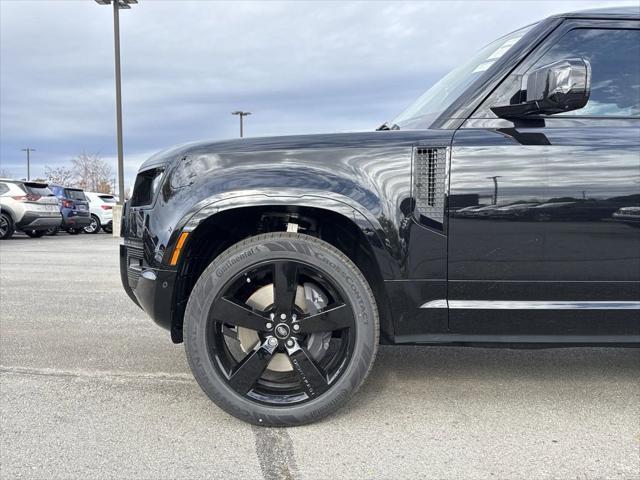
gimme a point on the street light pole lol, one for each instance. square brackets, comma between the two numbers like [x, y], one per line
[116, 43]
[28, 150]
[117, 6]
[241, 114]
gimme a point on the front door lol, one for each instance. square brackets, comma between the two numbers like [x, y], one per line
[544, 214]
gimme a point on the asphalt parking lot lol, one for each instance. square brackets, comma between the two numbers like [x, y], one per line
[91, 388]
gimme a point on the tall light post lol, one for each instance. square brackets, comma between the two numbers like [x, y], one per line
[117, 6]
[241, 114]
[28, 150]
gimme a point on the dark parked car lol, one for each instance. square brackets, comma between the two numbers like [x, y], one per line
[74, 208]
[283, 262]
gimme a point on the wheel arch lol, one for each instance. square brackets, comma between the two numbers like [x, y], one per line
[218, 225]
[9, 211]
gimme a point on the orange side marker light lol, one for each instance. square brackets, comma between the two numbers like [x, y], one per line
[176, 251]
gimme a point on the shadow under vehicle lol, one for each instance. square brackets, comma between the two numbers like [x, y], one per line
[283, 262]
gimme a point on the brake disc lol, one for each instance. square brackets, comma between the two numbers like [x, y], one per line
[309, 299]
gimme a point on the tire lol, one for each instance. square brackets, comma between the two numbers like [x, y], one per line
[296, 385]
[35, 233]
[74, 231]
[94, 226]
[107, 229]
[52, 231]
[7, 228]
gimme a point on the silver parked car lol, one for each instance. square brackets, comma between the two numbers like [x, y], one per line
[27, 206]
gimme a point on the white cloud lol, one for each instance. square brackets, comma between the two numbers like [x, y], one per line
[299, 66]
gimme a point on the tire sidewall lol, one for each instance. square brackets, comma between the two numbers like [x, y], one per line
[263, 249]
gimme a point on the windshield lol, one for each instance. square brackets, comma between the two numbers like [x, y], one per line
[434, 101]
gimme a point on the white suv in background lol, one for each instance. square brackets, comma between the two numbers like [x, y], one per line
[101, 208]
[27, 206]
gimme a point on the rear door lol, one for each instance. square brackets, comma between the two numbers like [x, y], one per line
[42, 199]
[79, 199]
[552, 255]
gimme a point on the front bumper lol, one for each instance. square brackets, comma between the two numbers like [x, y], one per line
[151, 289]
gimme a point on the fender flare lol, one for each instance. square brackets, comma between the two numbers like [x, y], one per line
[4, 208]
[330, 201]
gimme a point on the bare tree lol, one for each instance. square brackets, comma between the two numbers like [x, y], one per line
[5, 173]
[104, 187]
[91, 172]
[59, 176]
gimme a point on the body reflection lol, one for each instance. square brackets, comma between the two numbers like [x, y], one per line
[561, 225]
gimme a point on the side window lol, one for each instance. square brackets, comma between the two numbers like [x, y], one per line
[615, 68]
[614, 55]
[3, 188]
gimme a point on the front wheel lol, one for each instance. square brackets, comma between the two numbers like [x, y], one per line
[281, 329]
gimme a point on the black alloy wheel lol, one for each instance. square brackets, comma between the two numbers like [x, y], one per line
[94, 226]
[281, 329]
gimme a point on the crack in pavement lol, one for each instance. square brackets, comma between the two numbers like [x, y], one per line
[107, 375]
[274, 449]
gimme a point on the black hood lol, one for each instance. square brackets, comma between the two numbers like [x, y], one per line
[292, 142]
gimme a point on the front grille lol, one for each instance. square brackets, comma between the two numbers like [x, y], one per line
[134, 265]
[429, 177]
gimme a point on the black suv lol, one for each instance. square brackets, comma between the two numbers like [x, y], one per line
[489, 212]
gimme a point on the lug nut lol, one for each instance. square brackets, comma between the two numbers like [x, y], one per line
[272, 342]
[289, 343]
[296, 327]
[269, 325]
[283, 316]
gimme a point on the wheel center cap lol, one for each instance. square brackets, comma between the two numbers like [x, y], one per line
[282, 330]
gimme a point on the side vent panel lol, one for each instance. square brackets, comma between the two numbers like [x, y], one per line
[429, 178]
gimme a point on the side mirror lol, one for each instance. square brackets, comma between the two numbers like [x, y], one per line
[561, 86]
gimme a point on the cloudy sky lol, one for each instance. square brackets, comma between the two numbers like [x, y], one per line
[301, 67]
